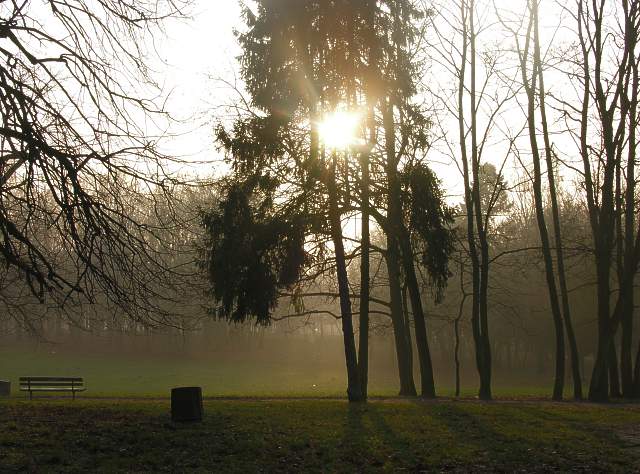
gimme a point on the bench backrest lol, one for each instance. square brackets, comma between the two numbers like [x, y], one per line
[52, 382]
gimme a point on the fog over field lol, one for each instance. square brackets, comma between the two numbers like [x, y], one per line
[283, 197]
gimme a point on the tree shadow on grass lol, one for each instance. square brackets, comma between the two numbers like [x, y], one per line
[355, 450]
[510, 439]
[474, 442]
[398, 450]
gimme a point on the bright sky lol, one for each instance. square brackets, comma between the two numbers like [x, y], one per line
[201, 51]
[197, 52]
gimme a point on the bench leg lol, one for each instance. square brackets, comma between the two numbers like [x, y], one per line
[73, 394]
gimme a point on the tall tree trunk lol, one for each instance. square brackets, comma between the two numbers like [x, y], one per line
[456, 331]
[636, 376]
[354, 390]
[626, 363]
[483, 286]
[363, 346]
[407, 320]
[394, 253]
[530, 88]
[609, 106]
[599, 386]
[483, 364]
[555, 211]
[400, 330]
[614, 376]
[396, 229]
[427, 384]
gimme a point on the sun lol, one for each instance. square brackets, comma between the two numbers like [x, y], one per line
[339, 130]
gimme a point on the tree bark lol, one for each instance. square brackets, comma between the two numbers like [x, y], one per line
[482, 322]
[614, 377]
[626, 362]
[530, 88]
[354, 390]
[396, 229]
[469, 174]
[555, 211]
[400, 330]
[427, 384]
[363, 346]
[456, 331]
[636, 376]
[394, 258]
[407, 320]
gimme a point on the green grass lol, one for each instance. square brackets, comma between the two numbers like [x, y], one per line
[316, 436]
[152, 375]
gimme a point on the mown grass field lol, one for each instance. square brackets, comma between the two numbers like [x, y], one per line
[318, 436]
[149, 375]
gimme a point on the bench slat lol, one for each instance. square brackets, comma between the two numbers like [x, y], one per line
[50, 379]
[53, 389]
[51, 384]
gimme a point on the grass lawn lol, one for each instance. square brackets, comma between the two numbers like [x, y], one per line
[50, 435]
[154, 376]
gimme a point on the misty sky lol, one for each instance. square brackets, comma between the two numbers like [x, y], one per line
[200, 53]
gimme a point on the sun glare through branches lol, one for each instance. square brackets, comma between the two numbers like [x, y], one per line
[339, 130]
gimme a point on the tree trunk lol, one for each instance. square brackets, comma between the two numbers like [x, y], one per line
[599, 386]
[636, 376]
[400, 330]
[485, 376]
[614, 377]
[407, 320]
[562, 280]
[395, 228]
[456, 330]
[427, 385]
[626, 363]
[363, 346]
[530, 88]
[354, 390]
[482, 273]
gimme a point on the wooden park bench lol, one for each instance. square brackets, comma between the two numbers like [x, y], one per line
[52, 384]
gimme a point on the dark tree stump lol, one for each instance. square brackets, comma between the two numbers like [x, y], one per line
[5, 388]
[186, 404]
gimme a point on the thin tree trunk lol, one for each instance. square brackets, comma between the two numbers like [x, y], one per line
[564, 292]
[456, 331]
[393, 257]
[403, 350]
[483, 287]
[626, 363]
[363, 346]
[613, 140]
[636, 376]
[614, 377]
[530, 88]
[481, 363]
[354, 390]
[427, 384]
[396, 230]
[599, 386]
[407, 320]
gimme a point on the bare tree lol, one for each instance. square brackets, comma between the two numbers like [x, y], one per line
[607, 62]
[530, 59]
[80, 125]
[475, 106]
